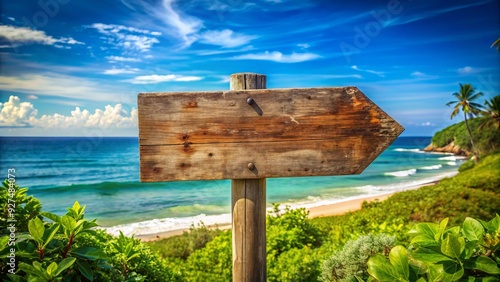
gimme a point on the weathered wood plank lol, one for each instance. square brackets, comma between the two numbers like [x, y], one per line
[249, 229]
[348, 155]
[248, 198]
[287, 115]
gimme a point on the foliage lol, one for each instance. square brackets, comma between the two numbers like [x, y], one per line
[15, 201]
[487, 140]
[290, 238]
[297, 246]
[491, 114]
[349, 263]
[184, 245]
[289, 229]
[439, 253]
[496, 43]
[69, 248]
[465, 103]
[467, 165]
[295, 265]
[213, 262]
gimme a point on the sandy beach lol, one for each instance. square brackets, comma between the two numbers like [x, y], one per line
[319, 211]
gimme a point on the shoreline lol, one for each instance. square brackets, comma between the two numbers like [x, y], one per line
[338, 208]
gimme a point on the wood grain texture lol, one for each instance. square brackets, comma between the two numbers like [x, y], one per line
[213, 135]
[248, 198]
[249, 229]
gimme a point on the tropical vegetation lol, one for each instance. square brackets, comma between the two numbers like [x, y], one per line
[465, 102]
[445, 232]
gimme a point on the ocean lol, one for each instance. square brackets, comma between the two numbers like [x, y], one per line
[103, 174]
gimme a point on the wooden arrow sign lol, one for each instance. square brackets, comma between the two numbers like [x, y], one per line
[260, 133]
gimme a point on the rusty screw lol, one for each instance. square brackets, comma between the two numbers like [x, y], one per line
[251, 166]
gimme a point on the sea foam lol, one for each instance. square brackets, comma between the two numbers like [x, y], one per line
[402, 173]
[156, 226]
[431, 167]
[408, 150]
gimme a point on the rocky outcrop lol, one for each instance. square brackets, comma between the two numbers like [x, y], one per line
[450, 148]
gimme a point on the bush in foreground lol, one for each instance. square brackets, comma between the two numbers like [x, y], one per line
[42, 246]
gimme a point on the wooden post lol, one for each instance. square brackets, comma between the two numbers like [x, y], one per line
[248, 198]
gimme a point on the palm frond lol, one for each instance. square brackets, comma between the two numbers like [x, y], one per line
[497, 43]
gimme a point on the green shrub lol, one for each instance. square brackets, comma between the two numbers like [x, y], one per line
[289, 229]
[184, 245]
[467, 253]
[349, 263]
[486, 140]
[15, 202]
[69, 248]
[294, 265]
[467, 165]
[213, 262]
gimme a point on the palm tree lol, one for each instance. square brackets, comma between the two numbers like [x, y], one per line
[491, 113]
[497, 43]
[464, 102]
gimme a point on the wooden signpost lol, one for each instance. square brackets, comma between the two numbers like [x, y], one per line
[251, 133]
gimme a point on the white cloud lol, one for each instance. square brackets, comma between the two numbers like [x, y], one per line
[342, 76]
[427, 124]
[115, 71]
[304, 46]
[32, 97]
[225, 38]
[469, 70]
[15, 113]
[50, 84]
[114, 28]
[12, 19]
[379, 73]
[122, 59]
[152, 79]
[418, 74]
[130, 38]
[279, 57]
[22, 35]
[183, 26]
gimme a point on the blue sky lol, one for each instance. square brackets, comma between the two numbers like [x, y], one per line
[73, 67]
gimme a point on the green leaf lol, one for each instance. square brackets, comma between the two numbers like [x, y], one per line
[430, 229]
[36, 228]
[399, 259]
[442, 228]
[473, 229]
[429, 256]
[52, 269]
[486, 264]
[64, 264]
[90, 253]
[15, 278]
[76, 207]
[33, 270]
[452, 246]
[448, 271]
[4, 240]
[424, 240]
[49, 234]
[381, 269]
[51, 216]
[68, 222]
[85, 270]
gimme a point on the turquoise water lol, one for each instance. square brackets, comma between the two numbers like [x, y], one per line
[103, 174]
